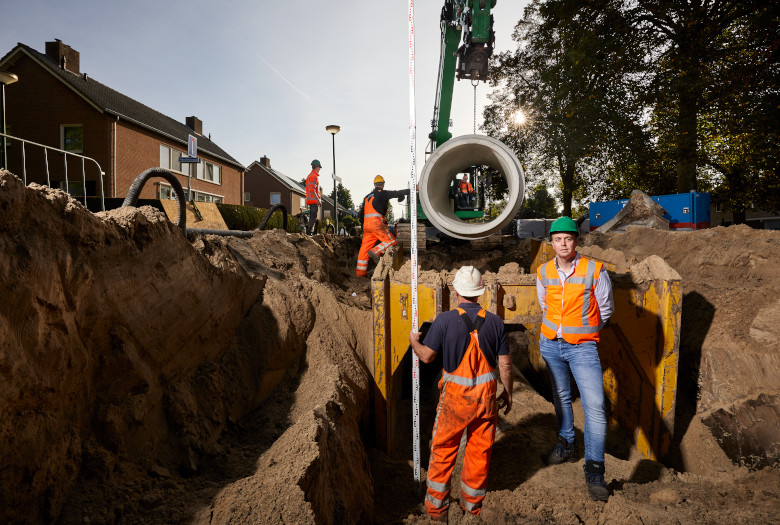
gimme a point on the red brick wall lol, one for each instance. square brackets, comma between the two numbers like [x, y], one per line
[139, 149]
[260, 184]
[36, 106]
[40, 102]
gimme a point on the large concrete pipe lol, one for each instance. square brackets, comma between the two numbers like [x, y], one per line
[458, 155]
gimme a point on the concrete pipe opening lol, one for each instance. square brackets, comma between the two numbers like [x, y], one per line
[459, 155]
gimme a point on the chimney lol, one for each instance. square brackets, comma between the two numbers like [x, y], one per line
[265, 161]
[65, 56]
[195, 124]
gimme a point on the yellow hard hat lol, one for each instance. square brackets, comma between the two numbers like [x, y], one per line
[379, 180]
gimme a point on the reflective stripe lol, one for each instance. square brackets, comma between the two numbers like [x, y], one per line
[470, 381]
[372, 215]
[472, 492]
[587, 292]
[549, 324]
[439, 487]
[548, 281]
[469, 506]
[435, 502]
[364, 261]
[579, 329]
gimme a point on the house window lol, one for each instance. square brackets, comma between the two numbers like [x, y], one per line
[199, 196]
[303, 202]
[166, 192]
[718, 207]
[276, 198]
[209, 171]
[169, 159]
[72, 138]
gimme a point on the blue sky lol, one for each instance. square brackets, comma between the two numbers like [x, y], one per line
[267, 77]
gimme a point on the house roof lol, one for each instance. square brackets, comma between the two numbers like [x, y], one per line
[107, 100]
[281, 177]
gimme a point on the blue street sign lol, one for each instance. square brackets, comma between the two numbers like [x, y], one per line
[190, 160]
[192, 146]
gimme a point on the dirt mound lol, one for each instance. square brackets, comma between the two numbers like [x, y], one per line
[150, 377]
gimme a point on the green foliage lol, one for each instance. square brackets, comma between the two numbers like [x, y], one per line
[239, 217]
[345, 197]
[538, 204]
[248, 218]
[350, 222]
[389, 216]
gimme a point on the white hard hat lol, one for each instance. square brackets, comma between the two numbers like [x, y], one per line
[468, 282]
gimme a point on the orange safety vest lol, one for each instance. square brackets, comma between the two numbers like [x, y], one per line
[466, 187]
[372, 219]
[467, 403]
[312, 188]
[571, 305]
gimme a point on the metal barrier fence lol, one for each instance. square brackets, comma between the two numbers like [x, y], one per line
[65, 153]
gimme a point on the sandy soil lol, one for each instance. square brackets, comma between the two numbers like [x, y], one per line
[264, 415]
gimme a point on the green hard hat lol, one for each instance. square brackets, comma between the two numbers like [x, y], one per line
[316, 164]
[564, 225]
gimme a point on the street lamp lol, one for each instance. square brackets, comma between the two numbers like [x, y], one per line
[5, 78]
[333, 129]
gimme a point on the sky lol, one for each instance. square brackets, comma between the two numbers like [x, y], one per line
[266, 77]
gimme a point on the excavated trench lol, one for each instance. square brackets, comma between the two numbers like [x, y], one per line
[153, 378]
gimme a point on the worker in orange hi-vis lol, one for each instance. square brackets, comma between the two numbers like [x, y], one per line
[377, 237]
[313, 195]
[467, 197]
[475, 354]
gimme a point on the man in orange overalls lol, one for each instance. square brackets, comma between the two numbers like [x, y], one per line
[474, 345]
[313, 195]
[376, 235]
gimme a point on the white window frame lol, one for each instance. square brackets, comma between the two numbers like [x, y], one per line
[62, 137]
[171, 159]
[207, 197]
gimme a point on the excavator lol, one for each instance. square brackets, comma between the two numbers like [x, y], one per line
[467, 41]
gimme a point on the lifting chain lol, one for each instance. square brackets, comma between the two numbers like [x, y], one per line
[475, 83]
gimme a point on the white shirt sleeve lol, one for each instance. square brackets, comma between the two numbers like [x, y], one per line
[603, 293]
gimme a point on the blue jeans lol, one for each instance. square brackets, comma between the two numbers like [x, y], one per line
[582, 361]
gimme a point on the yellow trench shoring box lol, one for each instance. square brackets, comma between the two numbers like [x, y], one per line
[639, 348]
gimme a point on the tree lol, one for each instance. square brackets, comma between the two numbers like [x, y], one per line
[389, 216]
[686, 38]
[539, 204]
[345, 197]
[575, 69]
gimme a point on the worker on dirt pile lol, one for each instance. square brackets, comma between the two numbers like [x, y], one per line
[467, 197]
[473, 344]
[575, 294]
[377, 237]
[313, 195]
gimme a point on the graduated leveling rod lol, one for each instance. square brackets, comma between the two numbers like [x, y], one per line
[413, 217]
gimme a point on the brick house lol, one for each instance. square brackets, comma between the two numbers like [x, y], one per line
[265, 186]
[57, 105]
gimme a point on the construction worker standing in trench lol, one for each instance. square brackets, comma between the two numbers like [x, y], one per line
[575, 294]
[313, 195]
[377, 237]
[474, 344]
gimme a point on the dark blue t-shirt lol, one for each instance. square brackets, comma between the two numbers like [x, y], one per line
[449, 332]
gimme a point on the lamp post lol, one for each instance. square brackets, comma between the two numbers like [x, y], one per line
[333, 129]
[5, 78]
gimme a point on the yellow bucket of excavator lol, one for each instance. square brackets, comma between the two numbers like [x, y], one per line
[639, 348]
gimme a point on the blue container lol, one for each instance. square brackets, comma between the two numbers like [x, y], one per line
[684, 211]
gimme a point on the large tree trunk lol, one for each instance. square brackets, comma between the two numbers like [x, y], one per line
[567, 180]
[687, 137]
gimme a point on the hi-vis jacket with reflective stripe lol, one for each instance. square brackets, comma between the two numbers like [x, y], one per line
[313, 188]
[571, 305]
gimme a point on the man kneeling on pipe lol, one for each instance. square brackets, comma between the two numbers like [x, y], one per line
[375, 230]
[474, 344]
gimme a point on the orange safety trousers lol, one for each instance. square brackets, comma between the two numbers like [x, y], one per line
[376, 237]
[467, 403]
